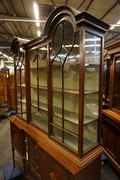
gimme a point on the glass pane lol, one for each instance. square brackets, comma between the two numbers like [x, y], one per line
[116, 93]
[39, 117]
[57, 120]
[21, 85]
[64, 73]
[34, 96]
[71, 127]
[91, 90]
[57, 133]
[38, 83]
[18, 84]
[106, 82]
[71, 141]
[33, 73]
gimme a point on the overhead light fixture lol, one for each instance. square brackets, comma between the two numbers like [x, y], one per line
[36, 12]
[11, 58]
[39, 33]
[93, 39]
[118, 22]
[5, 55]
[112, 27]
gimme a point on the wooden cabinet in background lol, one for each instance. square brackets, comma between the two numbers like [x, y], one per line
[7, 90]
[4, 72]
[58, 82]
[2, 90]
[11, 91]
[111, 115]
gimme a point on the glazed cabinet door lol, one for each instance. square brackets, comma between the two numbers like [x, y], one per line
[64, 86]
[20, 85]
[38, 87]
[91, 101]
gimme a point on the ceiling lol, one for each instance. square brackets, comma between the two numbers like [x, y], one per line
[17, 18]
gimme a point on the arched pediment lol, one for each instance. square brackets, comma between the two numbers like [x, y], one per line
[60, 13]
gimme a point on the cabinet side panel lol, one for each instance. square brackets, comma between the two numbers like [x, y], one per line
[88, 173]
[110, 139]
[17, 139]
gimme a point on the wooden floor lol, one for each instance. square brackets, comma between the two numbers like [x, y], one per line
[107, 171]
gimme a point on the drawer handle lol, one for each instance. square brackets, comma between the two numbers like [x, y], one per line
[36, 157]
[15, 137]
[37, 167]
[36, 147]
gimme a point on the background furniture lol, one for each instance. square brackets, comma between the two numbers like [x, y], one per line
[7, 91]
[111, 115]
[4, 73]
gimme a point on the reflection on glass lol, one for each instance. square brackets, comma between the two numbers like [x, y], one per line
[69, 139]
[91, 89]
[116, 92]
[38, 87]
[106, 82]
[64, 73]
[20, 85]
[39, 117]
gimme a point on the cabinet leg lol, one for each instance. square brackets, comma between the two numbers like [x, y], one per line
[13, 155]
[24, 167]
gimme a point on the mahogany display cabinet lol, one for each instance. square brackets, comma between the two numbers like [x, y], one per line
[111, 115]
[56, 129]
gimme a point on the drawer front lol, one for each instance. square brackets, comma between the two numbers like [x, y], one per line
[17, 139]
[51, 170]
[31, 174]
[34, 154]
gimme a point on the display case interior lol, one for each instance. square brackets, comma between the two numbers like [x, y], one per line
[20, 84]
[64, 84]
